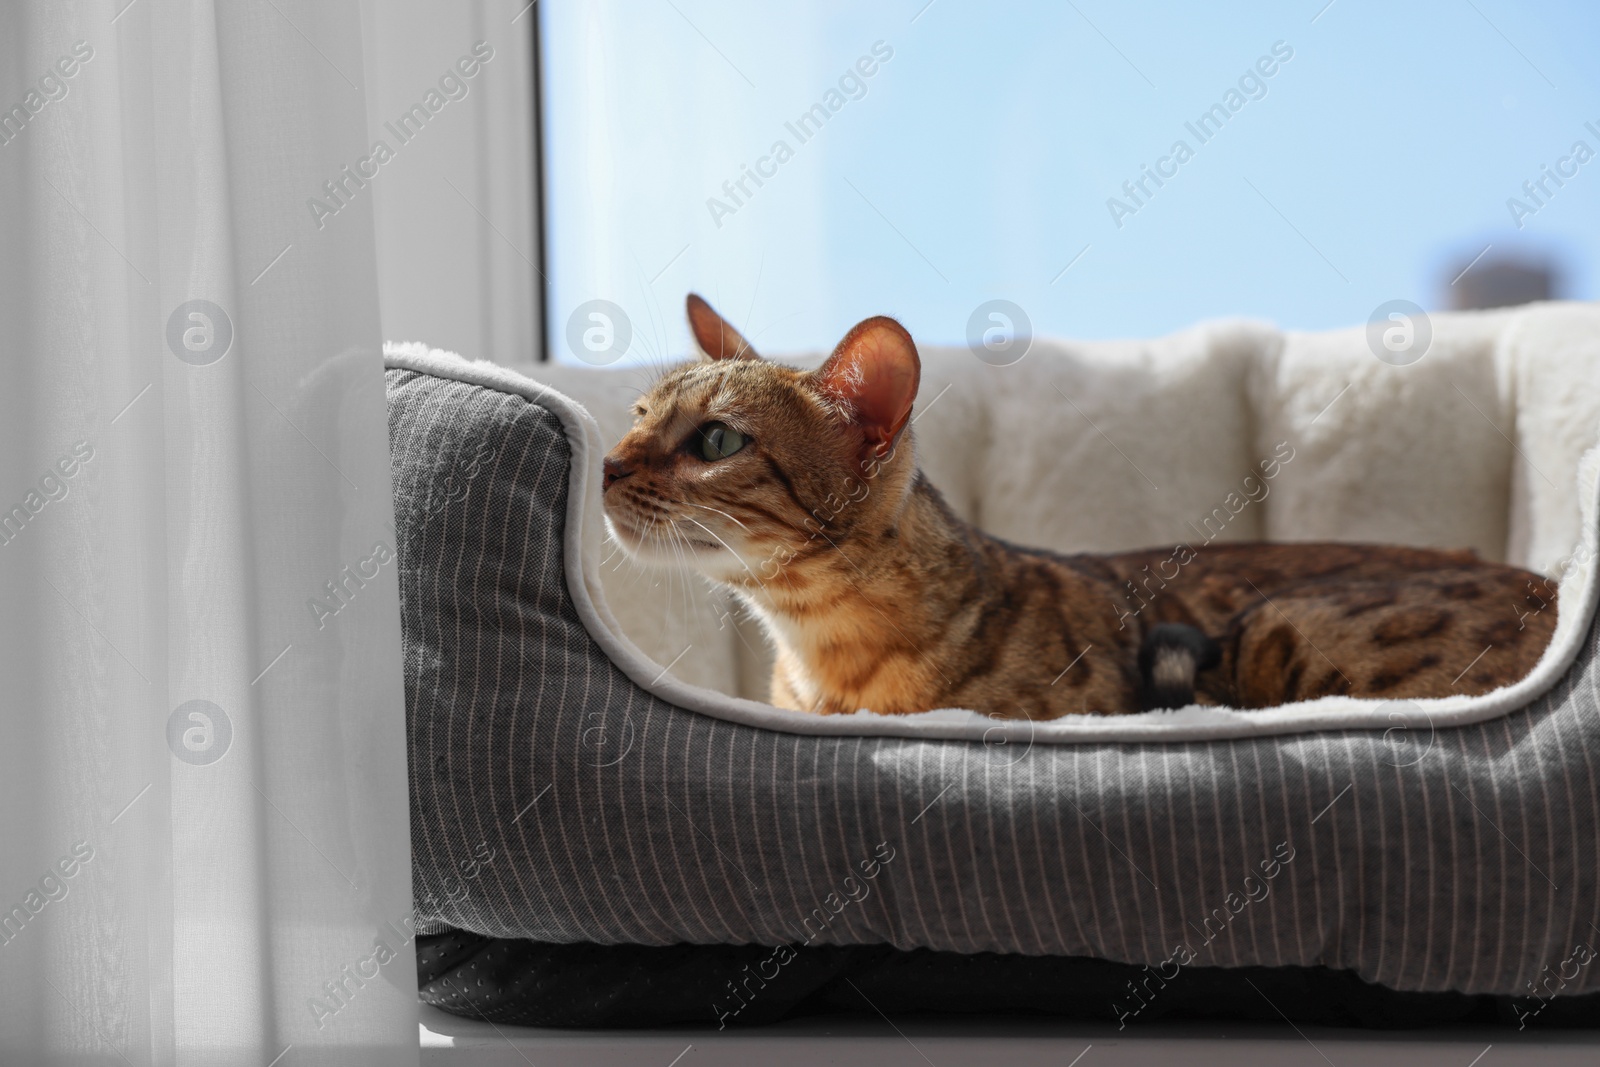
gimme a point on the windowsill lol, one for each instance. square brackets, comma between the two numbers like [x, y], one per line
[448, 1041]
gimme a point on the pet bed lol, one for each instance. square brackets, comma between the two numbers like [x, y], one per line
[567, 788]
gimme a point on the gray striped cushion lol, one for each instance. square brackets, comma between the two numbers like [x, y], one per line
[554, 799]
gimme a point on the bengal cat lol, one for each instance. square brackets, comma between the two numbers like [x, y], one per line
[800, 492]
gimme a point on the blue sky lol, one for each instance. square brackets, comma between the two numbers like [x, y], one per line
[978, 161]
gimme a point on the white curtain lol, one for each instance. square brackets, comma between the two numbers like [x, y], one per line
[204, 856]
[458, 247]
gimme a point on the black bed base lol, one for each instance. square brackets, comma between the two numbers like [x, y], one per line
[527, 983]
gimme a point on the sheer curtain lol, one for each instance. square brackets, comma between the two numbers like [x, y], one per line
[204, 854]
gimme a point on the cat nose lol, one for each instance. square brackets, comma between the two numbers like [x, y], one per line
[613, 470]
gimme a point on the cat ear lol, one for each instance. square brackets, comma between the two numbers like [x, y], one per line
[874, 373]
[715, 336]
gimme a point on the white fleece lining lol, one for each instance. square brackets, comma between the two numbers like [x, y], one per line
[583, 538]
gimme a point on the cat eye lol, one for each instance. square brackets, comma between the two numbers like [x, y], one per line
[719, 441]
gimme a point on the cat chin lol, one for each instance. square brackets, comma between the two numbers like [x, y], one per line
[649, 548]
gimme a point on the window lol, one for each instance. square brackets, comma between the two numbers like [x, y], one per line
[804, 166]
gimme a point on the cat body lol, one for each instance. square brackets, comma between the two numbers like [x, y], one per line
[799, 492]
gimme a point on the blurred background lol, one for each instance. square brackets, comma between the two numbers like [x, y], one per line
[1351, 153]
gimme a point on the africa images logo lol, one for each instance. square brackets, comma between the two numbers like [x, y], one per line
[1252, 85]
[453, 85]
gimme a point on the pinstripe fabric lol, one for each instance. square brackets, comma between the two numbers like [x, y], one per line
[1467, 860]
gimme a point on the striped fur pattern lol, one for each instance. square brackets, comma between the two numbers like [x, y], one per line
[877, 596]
[1464, 859]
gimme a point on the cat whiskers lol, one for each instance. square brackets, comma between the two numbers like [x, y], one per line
[672, 575]
[725, 544]
[719, 511]
[639, 568]
[618, 548]
[683, 562]
[680, 543]
[668, 536]
[726, 607]
[663, 530]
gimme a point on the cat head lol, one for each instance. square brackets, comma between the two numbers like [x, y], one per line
[745, 469]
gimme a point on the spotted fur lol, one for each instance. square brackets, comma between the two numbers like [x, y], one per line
[876, 595]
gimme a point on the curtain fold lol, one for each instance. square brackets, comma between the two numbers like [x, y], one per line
[204, 854]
